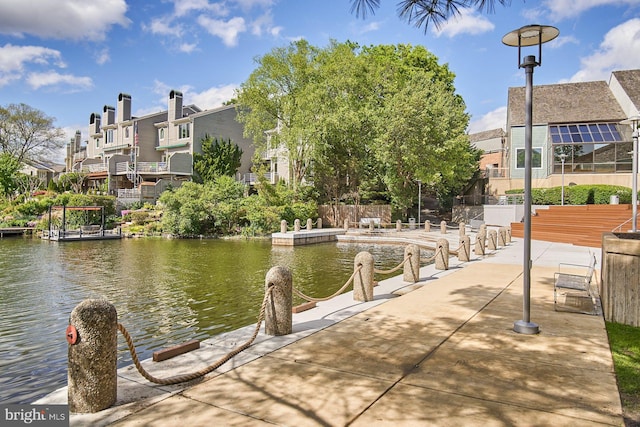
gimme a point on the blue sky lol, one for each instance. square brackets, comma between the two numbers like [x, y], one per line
[69, 58]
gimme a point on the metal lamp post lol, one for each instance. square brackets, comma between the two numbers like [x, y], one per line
[633, 121]
[563, 157]
[419, 197]
[529, 35]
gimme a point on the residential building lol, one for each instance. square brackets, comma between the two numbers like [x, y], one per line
[44, 171]
[576, 135]
[139, 157]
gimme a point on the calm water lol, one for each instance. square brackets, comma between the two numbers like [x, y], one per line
[165, 292]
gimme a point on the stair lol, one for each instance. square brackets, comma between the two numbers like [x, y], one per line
[579, 225]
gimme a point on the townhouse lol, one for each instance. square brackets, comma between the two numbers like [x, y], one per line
[137, 158]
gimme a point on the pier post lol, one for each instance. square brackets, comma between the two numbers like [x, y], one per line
[296, 225]
[462, 229]
[442, 257]
[481, 240]
[492, 244]
[320, 223]
[363, 280]
[411, 268]
[346, 224]
[443, 227]
[372, 225]
[427, 226]
[277, 316]
[283, 226]
[502, 236]
[398, 225]
[92, 356]
[464, 253]
[508, 230]
[309, 224]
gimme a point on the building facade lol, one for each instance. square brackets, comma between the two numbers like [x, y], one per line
[576, 135]
[137, 158]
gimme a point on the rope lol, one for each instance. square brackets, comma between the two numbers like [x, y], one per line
[202, 372]
[393, 270]
[341, 290]
[433, 258]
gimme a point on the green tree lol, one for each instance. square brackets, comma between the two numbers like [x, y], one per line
[28, 134]
[422, 12]
[218, 158]
[9, 167]
[274, 98]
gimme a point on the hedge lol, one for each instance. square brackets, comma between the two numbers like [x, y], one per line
[597, 194]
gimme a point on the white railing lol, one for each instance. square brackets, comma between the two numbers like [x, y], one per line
[142, 167]
[129, 193]
[252, 178]
[496, 172]
[97, 167]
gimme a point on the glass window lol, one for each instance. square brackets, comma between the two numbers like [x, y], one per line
[183, 131]
[161, 133]
[536, 158]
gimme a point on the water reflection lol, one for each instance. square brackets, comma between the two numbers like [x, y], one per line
[165, 292]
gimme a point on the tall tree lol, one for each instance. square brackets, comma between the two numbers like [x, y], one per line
[28, 134]
[421, 13]
[218, 158]
[9, 167]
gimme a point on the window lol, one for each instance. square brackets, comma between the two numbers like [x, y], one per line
[183, 131]
[161, 133]
[109, 136]
[126, 132]
[589, 147]
[536, 158]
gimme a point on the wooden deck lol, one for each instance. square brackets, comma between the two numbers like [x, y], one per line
[78, 235]
[580, 225]
[15, 231]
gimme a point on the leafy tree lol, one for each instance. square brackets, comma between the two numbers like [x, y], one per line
[218, 158]
[275, 97]
[73, 180]
[27, 184]
[421, 12]
[28, 134]
[9, 166]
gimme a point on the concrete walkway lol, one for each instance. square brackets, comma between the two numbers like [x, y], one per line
[441, 352]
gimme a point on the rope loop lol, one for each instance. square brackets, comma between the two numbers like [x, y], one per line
[202, 372]
[394, 269]
[338, 292]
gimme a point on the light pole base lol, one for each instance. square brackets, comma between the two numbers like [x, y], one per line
[528, 328]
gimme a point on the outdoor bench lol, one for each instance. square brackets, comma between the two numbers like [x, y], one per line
[575, 287]
[365, 222]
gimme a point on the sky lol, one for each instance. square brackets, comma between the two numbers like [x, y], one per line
[69, 58]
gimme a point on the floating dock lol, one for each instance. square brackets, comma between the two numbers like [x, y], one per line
[306, 237]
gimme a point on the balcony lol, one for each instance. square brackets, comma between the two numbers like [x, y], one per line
[141, 167]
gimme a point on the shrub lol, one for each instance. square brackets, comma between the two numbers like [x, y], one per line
[598, 194]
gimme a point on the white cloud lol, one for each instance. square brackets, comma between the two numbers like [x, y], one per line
[213, 97]
[52, 78]
[63, 19]
[564, 9]
[561, 41]
[228, 31]
[616, 52]
[102, 57]
[184, 7]
[188, 47]
[496, 119]
[470, 21]
[14, 58]
[264, 24]
[164, 26]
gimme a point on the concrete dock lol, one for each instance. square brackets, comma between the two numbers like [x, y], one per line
[439, 352]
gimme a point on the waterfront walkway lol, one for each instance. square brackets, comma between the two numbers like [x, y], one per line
[441, 352]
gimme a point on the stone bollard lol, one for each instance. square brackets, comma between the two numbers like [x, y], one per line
[296, 225]
[346, 225]
[481, 238]
[492, 243]
[372, 225]
[320, 223]
[283, 226]
[92, 356]
[309, 224]
[508, 229]
[483, 229]
[462, 229]
[502, 236]
[443, 227]
[427, 226]
[464, 253]
[363, 280]
[411, 268]
[442, 254]
[398, 225]
[278, 314]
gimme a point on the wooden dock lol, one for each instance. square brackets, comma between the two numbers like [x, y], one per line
[78, 235]
[15, 231]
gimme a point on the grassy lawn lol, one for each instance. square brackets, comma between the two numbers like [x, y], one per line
[625, 347]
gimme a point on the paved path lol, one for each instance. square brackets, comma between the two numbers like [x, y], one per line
[439, 353]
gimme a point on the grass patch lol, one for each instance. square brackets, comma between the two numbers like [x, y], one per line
[625, 348]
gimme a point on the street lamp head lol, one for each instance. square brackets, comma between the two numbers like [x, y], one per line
[530, 35]
[563, 156]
